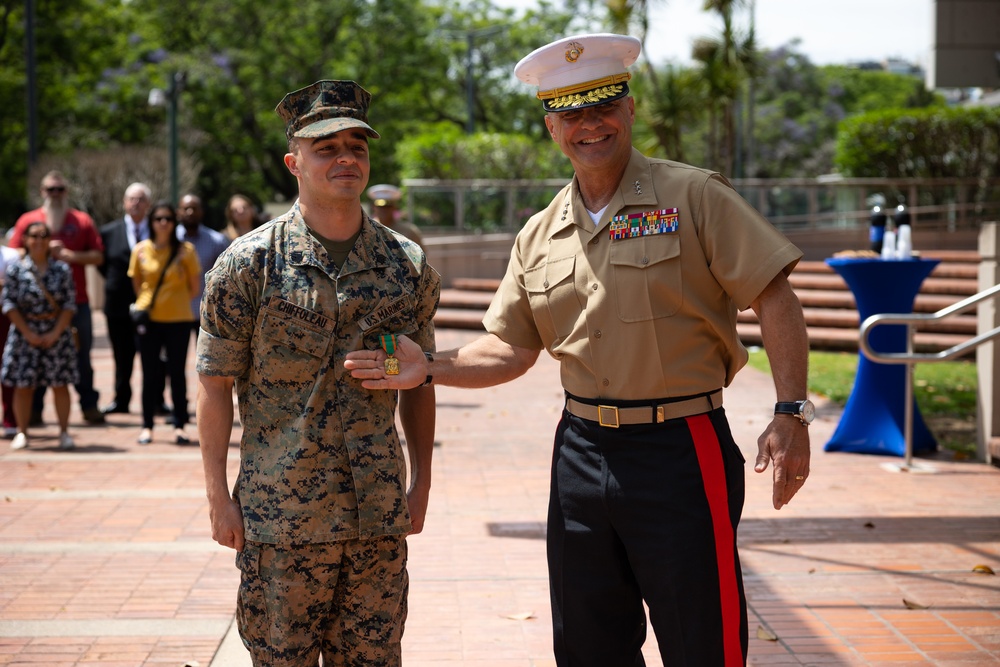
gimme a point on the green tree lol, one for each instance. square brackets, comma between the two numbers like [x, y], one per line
[98, 60]
[800, 106]
[77, 42]
[921, 143]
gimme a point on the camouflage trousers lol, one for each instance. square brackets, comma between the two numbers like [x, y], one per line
[345, 601]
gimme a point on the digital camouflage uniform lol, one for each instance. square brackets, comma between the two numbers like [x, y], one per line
[322, 480]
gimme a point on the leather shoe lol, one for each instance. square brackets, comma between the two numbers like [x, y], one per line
[93, 415]
[114, 408]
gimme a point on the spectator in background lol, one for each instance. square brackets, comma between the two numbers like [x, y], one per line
[385, 208]
[7, 257]
[119, 237]
[207, 242]
[166, 275]
[75, 241]
[241, 217]
[38, 299]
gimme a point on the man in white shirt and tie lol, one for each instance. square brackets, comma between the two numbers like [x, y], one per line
[119, 238]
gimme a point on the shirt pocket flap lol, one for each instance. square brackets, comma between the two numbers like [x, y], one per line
[646, 252]
[543, 278]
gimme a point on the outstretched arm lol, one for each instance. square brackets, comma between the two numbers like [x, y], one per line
[484, 362]
[785, 441]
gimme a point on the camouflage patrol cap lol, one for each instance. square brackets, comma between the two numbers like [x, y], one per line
[324, 108]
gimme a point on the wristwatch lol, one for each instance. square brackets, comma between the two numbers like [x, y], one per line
[804, 410]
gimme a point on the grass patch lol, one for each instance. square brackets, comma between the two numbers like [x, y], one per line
[945, 392]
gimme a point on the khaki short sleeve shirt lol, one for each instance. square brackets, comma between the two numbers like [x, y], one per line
[646, 314]
[320, 459]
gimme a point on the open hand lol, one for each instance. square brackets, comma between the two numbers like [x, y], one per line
[785, 441]
[369, 366]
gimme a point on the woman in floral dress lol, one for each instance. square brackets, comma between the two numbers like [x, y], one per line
[39, 300]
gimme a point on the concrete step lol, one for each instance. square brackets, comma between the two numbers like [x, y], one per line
[846, 340]
[932, 285]
[924, 303]
[948, 268]
[848, 319]
[477, 284]
[464, 298]
[459, 318]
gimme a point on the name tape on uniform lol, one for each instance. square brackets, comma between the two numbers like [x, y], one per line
[288, 308]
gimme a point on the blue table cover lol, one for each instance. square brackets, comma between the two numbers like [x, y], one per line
[874, 417]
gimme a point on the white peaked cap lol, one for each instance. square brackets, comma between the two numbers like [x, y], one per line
[580, 70]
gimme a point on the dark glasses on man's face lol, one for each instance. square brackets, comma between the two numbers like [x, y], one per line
[37, 236]
[55, 188]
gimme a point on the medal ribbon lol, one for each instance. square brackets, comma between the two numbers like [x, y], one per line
[388, 343]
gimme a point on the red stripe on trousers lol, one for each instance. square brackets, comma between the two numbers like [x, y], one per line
[713, 475]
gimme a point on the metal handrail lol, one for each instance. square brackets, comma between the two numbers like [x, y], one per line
[910, 358]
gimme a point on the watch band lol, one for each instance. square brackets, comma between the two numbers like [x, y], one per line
[804, 410]
[430, 378]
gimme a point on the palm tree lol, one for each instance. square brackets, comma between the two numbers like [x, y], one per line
[623, 13]
[727, 60]
[674, 99]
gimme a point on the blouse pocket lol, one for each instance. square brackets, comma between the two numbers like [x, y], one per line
[288, 358]
[553, 298]
[647, 276]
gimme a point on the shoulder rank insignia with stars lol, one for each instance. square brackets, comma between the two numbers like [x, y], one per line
[646, 223]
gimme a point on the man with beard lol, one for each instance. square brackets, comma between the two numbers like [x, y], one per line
[75, 241]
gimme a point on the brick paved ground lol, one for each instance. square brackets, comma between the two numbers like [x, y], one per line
[106, 558]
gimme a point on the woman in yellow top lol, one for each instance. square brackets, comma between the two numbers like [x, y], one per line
[170, 315]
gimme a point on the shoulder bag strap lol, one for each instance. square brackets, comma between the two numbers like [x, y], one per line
[48, 295]
[173, 253]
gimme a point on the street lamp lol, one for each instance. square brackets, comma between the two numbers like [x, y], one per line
[169, 98]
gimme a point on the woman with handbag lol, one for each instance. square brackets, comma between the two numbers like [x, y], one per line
[166, 274]
[39, 300]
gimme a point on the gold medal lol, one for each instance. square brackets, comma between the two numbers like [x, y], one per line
[389, 345]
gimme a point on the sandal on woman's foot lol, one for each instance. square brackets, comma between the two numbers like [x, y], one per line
[145, 436]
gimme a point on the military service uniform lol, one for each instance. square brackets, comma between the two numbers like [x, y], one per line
[322, 480]
[647, 482]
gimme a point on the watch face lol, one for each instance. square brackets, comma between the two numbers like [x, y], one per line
[808, 411]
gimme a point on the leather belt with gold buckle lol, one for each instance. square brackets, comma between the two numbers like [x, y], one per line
[612, 416]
